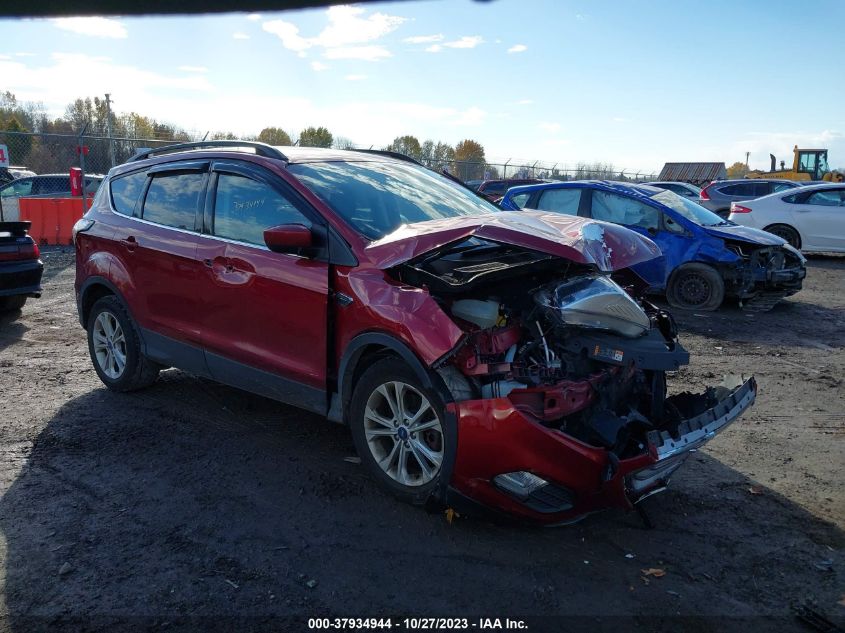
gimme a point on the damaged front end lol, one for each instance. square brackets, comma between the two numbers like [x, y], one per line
[764, 274]
[559, 381]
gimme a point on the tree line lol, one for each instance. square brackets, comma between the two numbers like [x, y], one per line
[130, 130]
[46, 154]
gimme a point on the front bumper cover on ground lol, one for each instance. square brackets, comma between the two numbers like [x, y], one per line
[495, 438]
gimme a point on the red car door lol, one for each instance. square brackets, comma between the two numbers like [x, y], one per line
[264, 314]
[155, 240]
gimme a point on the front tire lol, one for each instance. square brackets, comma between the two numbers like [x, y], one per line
[695, 287]
[785, 232]
[115, 348]
[399, 430]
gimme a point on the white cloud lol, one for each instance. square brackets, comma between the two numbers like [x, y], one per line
[319, 66]
[518, 48]
[254, 17]
[434, 48]
[346, 27]
[93, 27]
[365, 53]
[467, 41]
[554, 128]
[193, 69]
[55, 82]
[288, 33]
[355, 77]
[5, 57]
[238, 35]
[24, 54]
[525, 102]
[424, 39]
[341, 39]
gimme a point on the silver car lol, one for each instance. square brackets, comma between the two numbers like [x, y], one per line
[719, 194]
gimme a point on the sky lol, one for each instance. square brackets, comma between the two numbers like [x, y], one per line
[634, 84]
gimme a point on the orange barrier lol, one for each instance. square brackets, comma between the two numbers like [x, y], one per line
[52, 218]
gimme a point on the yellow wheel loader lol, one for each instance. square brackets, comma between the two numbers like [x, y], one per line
[807, 164]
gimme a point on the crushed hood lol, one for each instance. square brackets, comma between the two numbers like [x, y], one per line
[607, 246]
[744, 233]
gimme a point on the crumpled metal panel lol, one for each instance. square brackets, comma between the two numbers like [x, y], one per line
[607, 246]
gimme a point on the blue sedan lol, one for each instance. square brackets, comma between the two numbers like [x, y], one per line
[706, 257]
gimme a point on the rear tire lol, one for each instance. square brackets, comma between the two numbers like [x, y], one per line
[695, 287]
[115, 348]
[399, 430]
[8, 304]
[785, 232]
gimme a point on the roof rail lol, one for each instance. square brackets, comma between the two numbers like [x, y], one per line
[391, 154]
[262, 149]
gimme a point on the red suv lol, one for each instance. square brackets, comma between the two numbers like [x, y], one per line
[503, 360]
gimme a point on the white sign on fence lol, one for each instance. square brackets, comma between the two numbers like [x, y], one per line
[4, 156]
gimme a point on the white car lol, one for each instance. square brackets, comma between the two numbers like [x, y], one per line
[810, 218]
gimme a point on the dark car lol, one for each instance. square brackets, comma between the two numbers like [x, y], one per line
[493, 190]
[480, 358]
[706, 258]
[719, 194]
[46, 184]
[20, 266]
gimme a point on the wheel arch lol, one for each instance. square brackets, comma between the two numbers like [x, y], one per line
[788, 226]
[94, 289]
[363, 351]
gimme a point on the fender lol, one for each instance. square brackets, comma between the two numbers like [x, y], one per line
[86, 287]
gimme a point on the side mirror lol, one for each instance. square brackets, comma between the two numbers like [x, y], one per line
[288, 238]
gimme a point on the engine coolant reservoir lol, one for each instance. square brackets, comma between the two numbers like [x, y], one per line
[485, 314]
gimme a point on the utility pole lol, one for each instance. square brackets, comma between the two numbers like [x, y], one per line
[747, 154]
[108, 128]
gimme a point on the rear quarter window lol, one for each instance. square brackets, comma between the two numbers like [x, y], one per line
[125, 191]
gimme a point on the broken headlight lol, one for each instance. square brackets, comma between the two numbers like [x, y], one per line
[594, 302]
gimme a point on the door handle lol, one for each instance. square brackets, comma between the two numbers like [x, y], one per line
[208, 262]
[130, 243]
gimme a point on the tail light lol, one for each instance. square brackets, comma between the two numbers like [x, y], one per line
[82, 225]
[19, 252]
[704, 195]
[738, 208]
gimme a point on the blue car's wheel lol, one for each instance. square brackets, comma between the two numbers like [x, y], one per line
[695, 287]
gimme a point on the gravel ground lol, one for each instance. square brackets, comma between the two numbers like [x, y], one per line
[192, 505]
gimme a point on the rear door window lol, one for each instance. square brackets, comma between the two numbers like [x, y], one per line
[173, 199]
[126, 190]
[560, 200]
[611, 207]
[828, 198]
[745, 189]
[781, 186]
[244, 208]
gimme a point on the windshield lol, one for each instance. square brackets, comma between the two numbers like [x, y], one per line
[692, 211]
[377, 198]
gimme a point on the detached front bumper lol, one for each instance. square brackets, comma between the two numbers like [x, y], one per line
[495, 440]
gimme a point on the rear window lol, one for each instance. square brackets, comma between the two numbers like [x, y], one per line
[126, 190]
[173, 199]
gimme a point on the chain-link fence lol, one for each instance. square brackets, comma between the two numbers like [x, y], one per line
[44, 153]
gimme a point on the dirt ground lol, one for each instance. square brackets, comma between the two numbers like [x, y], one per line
[192, 505]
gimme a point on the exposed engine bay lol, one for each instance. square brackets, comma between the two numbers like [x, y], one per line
[576, 350]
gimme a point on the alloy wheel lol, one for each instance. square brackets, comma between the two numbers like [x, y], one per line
[109, 345]
[403, 433]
